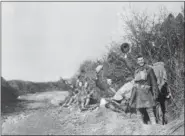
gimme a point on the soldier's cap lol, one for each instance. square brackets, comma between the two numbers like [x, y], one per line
[125, 47]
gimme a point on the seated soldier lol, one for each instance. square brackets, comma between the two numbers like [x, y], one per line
[72, 96]
[69, 100]
[85, 89]
[81, 100]
[88, 98]
[122, 97]
[124, 92]
[85, 98]
[73, 99]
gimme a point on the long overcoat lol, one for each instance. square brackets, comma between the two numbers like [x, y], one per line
[145, 90]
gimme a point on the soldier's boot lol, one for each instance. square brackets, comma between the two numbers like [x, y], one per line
[140, 117]
[142, 124]
[151, 116]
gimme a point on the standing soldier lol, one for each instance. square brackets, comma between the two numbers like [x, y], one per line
[103, 83]
[145, 91]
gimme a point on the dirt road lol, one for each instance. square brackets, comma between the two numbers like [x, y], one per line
[56, 121]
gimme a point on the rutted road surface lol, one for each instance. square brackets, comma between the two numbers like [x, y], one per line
[56, 121]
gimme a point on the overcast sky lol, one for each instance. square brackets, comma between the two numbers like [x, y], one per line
[44, 41]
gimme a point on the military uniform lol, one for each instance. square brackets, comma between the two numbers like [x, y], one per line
[102, 84]
[145, 92]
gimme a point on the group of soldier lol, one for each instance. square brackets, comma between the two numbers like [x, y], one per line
[144, 94]
[80, 94]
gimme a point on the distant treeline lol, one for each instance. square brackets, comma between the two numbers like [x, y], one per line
[8, 93]
[24, 87]
[10, 90]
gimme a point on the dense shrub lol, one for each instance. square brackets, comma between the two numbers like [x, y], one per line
[157, 39]
[162, 41]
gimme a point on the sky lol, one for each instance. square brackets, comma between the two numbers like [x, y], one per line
[43, 41]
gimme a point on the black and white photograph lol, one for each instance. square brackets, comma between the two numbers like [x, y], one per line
[92, 67]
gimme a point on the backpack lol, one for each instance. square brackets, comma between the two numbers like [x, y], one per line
[160, 73]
